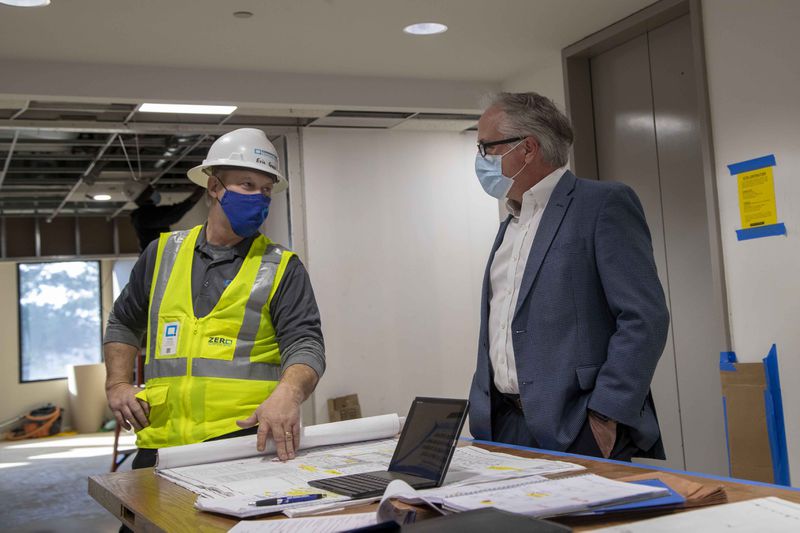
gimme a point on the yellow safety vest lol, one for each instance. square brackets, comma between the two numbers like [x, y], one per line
[203, 374]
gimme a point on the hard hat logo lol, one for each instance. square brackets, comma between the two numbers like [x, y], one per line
[259, 151]
[245, 148]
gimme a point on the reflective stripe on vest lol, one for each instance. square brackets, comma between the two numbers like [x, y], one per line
[159, 285]
[241, 366]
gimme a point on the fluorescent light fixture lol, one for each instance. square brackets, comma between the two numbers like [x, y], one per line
[425, 28]
[188, 109]
[102, 197]
[26, 3]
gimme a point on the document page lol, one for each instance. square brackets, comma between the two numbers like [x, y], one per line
[764, 514]
[321, 524]
[385, 513]
[550, 497]
[484, 465]
[230, 486]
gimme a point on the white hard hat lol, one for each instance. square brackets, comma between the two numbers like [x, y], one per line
[245, 148]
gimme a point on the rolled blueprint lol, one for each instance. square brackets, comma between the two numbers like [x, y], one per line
[346, 431]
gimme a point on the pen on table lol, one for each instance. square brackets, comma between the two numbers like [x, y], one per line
[287, 499]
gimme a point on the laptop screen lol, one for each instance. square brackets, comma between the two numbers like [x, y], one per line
[429, 436]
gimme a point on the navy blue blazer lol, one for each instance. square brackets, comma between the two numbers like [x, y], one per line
[590, 322]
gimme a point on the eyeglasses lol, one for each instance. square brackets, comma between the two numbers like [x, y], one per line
[247, 185]
[482, 146]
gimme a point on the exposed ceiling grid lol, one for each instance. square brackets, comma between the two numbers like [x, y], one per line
[58, 155]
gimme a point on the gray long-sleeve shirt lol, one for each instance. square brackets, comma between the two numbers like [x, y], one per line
[293, 309]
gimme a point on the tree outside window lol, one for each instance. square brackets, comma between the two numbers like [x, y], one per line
[59, 317]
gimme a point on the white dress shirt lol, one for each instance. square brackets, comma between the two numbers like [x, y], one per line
[505, 277]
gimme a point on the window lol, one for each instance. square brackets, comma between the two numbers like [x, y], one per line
[120, 274]
[59, 318]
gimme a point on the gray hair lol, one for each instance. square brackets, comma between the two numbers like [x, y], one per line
[531, 114]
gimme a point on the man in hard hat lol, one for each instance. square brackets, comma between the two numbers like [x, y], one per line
[231, 327]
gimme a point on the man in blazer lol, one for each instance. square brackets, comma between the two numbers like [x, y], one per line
[573, 316]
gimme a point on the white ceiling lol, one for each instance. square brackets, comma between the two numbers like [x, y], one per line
[488, 40]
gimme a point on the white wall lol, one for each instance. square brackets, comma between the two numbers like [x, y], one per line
[547, 81]
[399, 231]
[754, 76]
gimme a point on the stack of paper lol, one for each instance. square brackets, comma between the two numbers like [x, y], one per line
[321, 524]
[230, 486]
[764, 514]
[552, 497]
[536, 496]
[227, 482]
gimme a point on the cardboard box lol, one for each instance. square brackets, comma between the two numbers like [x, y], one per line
[344, 408]
[754, 419]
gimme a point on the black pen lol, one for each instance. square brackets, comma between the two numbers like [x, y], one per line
[287, 499]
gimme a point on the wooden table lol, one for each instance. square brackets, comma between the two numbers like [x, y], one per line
[146, 502]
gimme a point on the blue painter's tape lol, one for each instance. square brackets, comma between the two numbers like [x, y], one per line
[727, 438]
[752, 164]
[761, 231]
[635, 465]
[726, 360]
[774, 448]
[775, 424]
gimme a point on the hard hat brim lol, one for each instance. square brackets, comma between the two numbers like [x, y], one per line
[198, 175]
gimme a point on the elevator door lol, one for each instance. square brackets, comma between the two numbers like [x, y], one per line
[647, 136]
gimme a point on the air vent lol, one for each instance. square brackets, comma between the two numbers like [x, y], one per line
[439, 122]
[369, 114]
[446, 116]
[361, 119]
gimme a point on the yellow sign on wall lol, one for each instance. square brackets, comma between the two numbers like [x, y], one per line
[757, 198]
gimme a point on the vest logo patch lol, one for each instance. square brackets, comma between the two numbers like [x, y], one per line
[219, 341]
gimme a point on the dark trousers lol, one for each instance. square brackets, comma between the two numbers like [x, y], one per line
[509, 427]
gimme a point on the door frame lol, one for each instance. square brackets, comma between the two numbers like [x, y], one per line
[578, 93]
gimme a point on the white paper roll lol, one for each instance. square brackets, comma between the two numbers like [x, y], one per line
[357, 430]
[87, 396]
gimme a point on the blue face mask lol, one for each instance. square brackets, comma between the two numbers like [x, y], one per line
[245, 212]
[489, 170]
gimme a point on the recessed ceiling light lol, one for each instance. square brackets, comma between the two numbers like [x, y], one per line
[102, 197]
[189, 109]
[243, 14]
[26, 3]
[425, 28]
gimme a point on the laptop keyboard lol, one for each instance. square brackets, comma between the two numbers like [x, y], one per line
[353, 485]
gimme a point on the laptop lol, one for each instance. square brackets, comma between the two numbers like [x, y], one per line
[421, 457]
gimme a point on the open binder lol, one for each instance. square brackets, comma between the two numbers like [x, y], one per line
[537, 496]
